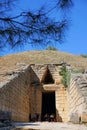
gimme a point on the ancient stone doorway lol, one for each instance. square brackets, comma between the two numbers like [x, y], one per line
[48, 106]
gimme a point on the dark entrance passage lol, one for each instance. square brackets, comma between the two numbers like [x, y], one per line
[48, 106]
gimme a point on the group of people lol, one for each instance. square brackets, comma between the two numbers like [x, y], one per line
[46, 117]
[49, 118]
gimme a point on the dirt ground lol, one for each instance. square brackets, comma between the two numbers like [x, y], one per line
[50, 126]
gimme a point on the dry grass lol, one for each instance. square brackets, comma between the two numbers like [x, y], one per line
[11, 62]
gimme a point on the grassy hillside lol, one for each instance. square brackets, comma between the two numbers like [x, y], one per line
[12, 62]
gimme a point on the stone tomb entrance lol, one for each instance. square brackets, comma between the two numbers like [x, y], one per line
[35, 94]
[48, 97]
[48, 106]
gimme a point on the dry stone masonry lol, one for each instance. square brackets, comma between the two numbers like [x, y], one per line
[14, 96]
[36, 93]
[78, 98]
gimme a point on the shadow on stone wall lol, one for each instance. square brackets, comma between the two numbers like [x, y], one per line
[58, 117]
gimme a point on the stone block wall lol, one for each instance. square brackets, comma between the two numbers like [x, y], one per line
[60, 91]
[14, 96]
[22, 95]
[54, 70]
[77, 99]
[61, 104]
[35, 99]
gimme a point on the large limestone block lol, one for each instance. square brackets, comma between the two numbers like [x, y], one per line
[84, 117]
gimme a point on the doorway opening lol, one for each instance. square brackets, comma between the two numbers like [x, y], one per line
[48, 106]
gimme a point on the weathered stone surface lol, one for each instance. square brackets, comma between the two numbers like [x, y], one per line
[5, 115]
[78, 95]
[22, 94]
[14, 97]
[84, 117]
[74, 118]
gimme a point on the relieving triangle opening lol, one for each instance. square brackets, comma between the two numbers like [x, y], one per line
[47, 77]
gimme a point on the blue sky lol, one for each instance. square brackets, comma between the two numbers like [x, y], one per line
[76, 38]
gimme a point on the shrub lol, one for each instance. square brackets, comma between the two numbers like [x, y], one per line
[65, 76]
[51, 48]
[78, 71]
[84, 56]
